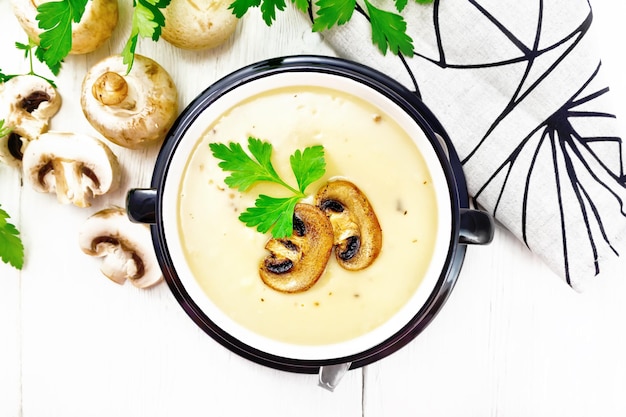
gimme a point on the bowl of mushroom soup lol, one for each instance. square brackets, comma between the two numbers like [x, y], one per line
[309, 214]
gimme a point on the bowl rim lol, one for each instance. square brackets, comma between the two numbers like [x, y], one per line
[399, 95]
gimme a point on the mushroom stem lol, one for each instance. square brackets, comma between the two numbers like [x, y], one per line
[60, 184]
[110, 89]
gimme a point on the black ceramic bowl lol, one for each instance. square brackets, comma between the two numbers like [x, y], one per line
[460, 224]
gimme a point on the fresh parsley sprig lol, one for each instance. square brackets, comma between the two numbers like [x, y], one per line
[388, 27]
[148, 22]
[57, 17]
[269, 212]
[4, 130]
[11, 247]
[28, 49]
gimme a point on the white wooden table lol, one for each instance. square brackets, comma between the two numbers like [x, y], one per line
[512, 340]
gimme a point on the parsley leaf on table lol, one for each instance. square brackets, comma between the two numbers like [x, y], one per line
[268, 8]
[4, 78]
[28, 53]
[4, 130]
[389, 30]
[11, 247]
[56, 19]
[147, 22]
[269, 212]
[332, 12]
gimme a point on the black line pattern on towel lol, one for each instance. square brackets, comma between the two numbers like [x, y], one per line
[578, 175]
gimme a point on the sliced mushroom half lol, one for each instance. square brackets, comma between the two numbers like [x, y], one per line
[27, 103]
[131, 110]
[357, 233]
[77, 167]
[95, 27]
[297, 262]
[125, 248]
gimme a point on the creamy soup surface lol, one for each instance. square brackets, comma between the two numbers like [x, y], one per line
[362, 144]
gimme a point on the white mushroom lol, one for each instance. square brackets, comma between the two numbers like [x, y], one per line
[27, 103]
[77, 167]
[131, 110]
[198, 24]
[126, 248]
[95, 27]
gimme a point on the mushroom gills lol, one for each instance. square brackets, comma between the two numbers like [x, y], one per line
[75, 167]
[297, 262]
[119, 262]
[27, 103]
[357, 232]
[125, 248]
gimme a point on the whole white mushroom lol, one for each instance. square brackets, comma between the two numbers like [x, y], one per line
[132, 109]
[198, 24]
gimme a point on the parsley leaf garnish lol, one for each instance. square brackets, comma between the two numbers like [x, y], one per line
[56, 18]
[147, 22]
[269, 212]
[11, 247]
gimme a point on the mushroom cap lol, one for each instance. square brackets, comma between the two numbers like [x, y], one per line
[75, 166]
[126, 247]
[147, 105]
[27, 103]
[357, 232]
[95, 27]
[198, 24]
[296, 263]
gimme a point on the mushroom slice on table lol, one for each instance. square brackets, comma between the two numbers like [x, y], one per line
[95, 27]
[131, 110]
[126, 248]
[297, 262]
[27, 103]
[358, 235]
[77, 167]
[199, 24]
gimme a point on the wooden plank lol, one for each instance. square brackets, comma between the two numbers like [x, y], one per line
[513, 340]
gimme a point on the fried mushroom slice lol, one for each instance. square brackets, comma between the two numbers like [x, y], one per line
[357, 233]
[297, 262]
[125, 248]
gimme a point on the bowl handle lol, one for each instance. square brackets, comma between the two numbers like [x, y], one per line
[477, 227]
[330, 375]
[141, 205]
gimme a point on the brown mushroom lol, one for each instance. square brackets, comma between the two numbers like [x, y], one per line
[297, 262]
[357, 233]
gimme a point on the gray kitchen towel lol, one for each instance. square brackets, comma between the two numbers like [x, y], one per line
[516, 85]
